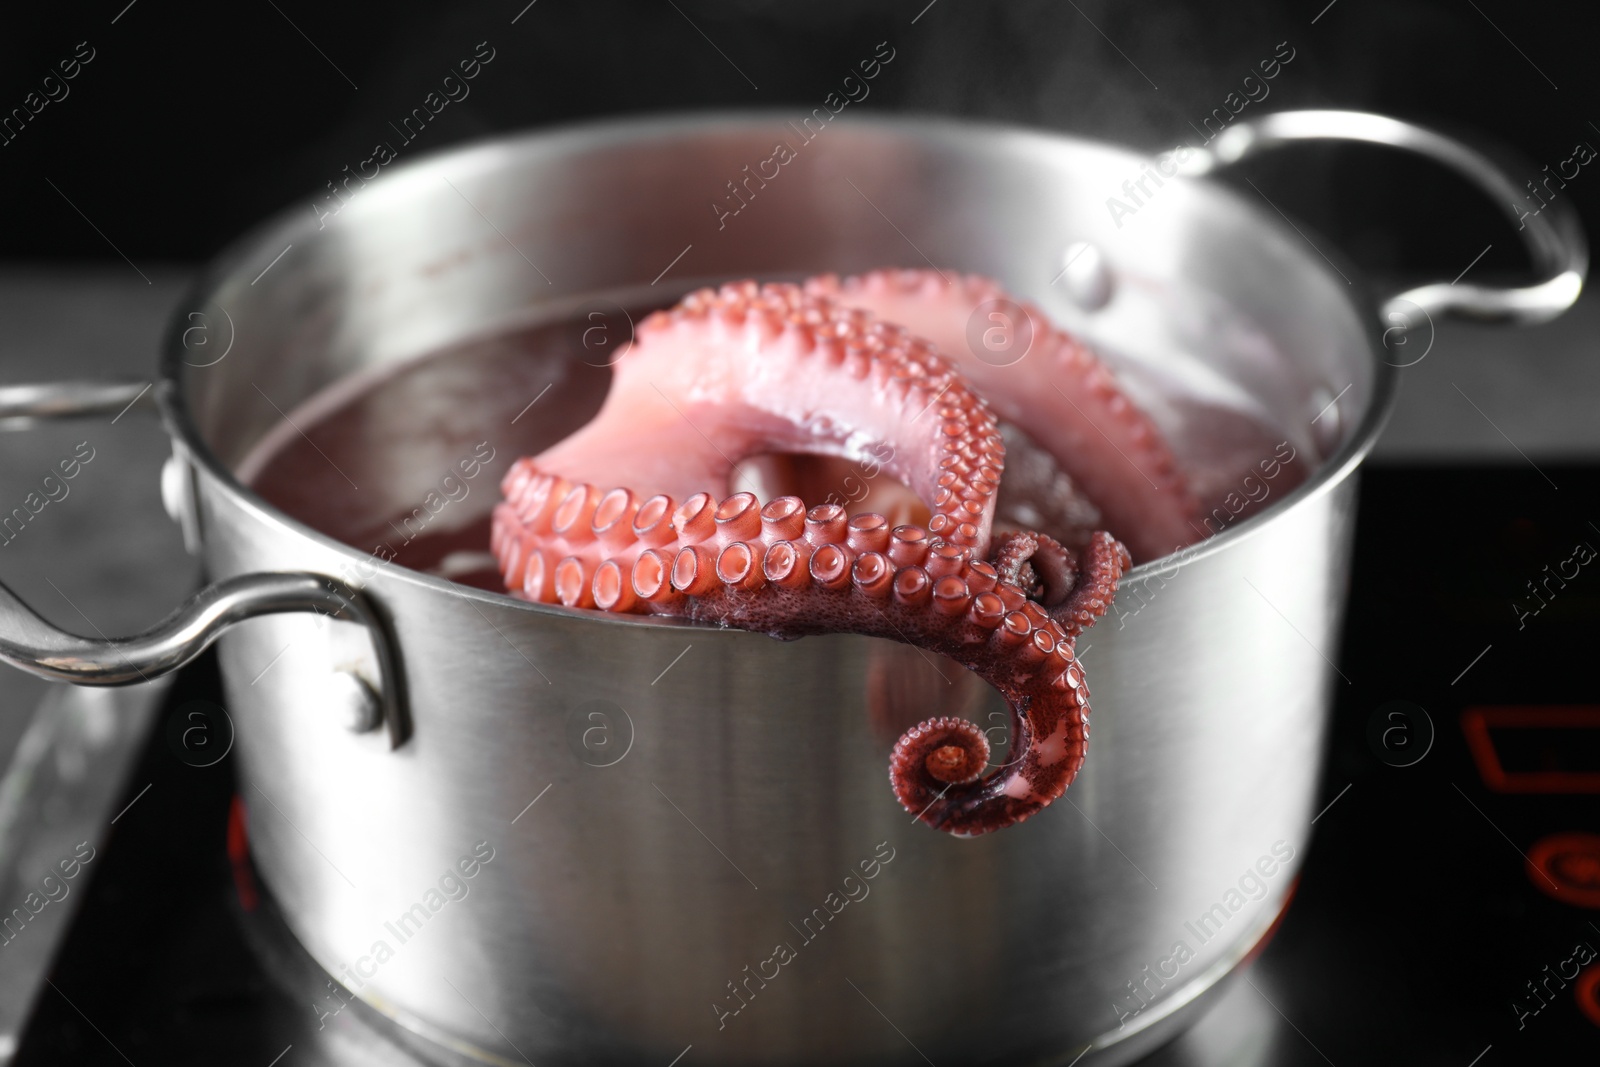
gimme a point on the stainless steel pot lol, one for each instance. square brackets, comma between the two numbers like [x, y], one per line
[632, 905]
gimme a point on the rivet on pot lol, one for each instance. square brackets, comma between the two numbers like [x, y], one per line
[1327, 421]
[353, 702]
[177, 497]
[1087, 275]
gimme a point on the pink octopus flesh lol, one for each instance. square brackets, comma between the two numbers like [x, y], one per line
[624, 515]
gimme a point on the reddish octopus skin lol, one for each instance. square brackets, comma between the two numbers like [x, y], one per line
[789, 572]
[827, 580]
[1058, 392]
[747, 369]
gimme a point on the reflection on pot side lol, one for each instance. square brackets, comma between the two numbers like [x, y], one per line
[784, 953]
[1143, 990]
[453, 885]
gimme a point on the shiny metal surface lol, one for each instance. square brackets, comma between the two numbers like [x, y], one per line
[633, 879]
[357, 705]
[22, 406]
[625, 898]
[622, 903]
[1553, 235]
[29, 643]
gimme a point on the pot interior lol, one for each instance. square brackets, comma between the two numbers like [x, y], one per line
[461, 311]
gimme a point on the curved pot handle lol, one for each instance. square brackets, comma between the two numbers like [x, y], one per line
[23, 405]
[31, 644]
[1554, 235]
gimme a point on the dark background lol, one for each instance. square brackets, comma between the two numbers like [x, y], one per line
[195, 120]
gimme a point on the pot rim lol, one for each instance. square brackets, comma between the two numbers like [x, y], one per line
[181, 426]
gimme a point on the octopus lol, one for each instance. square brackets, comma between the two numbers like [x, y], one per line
[628, 513]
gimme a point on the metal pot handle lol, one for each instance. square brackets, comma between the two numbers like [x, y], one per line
[34, 645]
[1554, 235]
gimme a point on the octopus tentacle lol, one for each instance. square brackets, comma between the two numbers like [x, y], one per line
[827, 380]
[1011, 555]
[1077, 591]
[957, 608]
[835, 576]
[1056, 570]
[1102, 566]
[1039, 564]
[736, 372]
[1056, 390]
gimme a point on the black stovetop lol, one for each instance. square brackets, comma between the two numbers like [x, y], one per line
[1452, 888]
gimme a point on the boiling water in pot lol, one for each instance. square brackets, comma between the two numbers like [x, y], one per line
[405, 462]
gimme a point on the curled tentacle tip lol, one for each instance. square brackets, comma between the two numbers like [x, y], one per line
[953, 764]
[932, 757]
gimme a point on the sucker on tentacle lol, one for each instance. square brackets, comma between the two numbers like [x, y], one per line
[748, 370]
